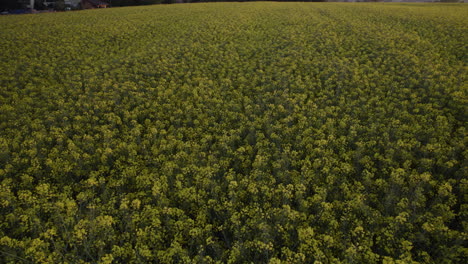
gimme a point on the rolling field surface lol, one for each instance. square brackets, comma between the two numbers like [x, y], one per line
[235, 133]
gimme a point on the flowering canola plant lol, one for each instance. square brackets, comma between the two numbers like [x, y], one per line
[235, 133]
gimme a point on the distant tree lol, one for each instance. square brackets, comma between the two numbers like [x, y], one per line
[39, 5]
[9, 4]
[135, 2]
[60, 5]
[150, 2]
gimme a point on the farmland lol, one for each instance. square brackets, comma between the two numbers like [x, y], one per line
[235, 133]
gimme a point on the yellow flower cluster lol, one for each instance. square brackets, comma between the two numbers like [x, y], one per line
[235, 133]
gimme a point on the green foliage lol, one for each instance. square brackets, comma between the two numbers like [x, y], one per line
[235, 133]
